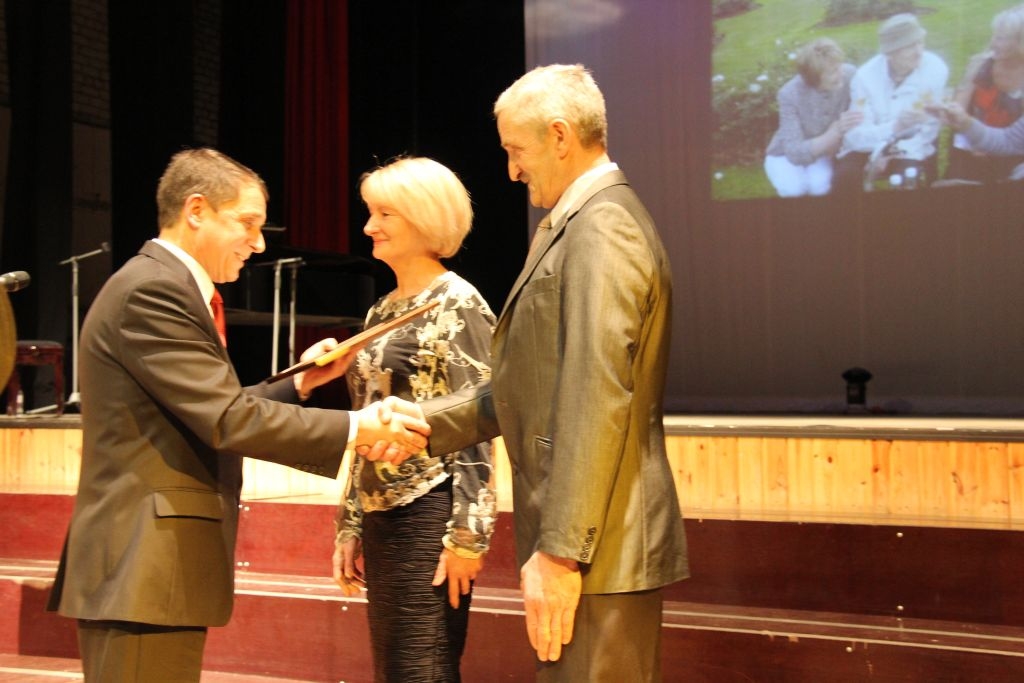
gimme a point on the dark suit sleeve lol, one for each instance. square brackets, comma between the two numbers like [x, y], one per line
[169, 350]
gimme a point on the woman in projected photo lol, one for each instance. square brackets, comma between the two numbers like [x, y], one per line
[1006, 142]
[992, 91]
[813, 118]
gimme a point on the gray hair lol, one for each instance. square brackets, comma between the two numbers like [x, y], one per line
[558, 91]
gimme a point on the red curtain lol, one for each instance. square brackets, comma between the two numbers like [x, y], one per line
[316, 177]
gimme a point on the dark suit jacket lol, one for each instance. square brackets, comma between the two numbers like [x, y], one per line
[578, 360]
[165, 425]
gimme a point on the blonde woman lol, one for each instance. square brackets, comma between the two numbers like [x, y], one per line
[421, 529]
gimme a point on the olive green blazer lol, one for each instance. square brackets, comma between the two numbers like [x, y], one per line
[579, 359]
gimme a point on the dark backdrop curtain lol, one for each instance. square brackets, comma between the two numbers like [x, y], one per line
[316, 125]
[151, 110]
[37, 220]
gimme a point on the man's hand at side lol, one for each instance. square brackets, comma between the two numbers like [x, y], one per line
[551, 592]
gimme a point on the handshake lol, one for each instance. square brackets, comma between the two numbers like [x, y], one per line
[390, 430]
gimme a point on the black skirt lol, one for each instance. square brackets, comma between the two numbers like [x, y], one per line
[416, 634]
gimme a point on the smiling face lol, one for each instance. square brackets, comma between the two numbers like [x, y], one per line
[225, 238]
[533, 160]
[395, 240]
[832, 78]
[905, 59]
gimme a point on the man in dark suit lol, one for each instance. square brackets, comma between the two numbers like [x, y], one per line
[578, 359]
[149, 559]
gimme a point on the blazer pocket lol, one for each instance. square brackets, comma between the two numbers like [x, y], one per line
[541, 286]
[188, 503]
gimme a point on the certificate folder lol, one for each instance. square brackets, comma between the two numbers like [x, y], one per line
[345, 346]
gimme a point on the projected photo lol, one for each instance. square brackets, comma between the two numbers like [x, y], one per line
[837, 97]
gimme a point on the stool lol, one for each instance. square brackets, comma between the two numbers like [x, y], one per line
[36, 352]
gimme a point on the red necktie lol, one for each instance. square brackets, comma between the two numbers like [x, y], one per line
[217, 304]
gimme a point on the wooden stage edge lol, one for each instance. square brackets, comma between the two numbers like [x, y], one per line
[854, 469]
[803, 426]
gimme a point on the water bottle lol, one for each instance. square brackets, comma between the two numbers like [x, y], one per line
[910, 175]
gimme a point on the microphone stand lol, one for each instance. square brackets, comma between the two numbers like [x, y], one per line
[74, 398]
[293, 263]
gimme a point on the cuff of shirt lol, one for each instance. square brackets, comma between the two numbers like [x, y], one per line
[298, 389]
[464, 553]
[353, 429]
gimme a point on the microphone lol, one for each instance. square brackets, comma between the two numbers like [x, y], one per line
[15, 280]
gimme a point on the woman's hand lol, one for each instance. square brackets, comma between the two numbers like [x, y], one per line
[460, 573]
[348, 566]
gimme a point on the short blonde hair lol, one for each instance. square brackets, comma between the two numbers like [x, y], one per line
[428, 195]
[815, 58]
[558, 91]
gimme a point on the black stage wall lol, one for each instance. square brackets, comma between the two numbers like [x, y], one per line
[212, 72]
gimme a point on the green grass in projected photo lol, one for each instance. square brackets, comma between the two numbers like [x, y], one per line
[753, 47]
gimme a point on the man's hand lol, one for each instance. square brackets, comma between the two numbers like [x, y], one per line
[348, 566]
[551, 592]
[308, 380]
[909, 118]
[391, 430]
[953, 115]
[460, 573]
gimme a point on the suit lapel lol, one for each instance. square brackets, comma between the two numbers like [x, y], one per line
[537, 253]
[169, 260]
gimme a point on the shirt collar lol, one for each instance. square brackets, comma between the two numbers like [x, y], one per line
[202, 278]
[577, 188]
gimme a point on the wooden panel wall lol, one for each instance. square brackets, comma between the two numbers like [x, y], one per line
[845, 480]
[39, 460]
[874, 481]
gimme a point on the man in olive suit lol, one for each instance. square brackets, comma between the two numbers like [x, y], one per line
[578, 360]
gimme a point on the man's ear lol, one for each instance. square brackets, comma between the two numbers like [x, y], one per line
[193, 209]
[563, 135]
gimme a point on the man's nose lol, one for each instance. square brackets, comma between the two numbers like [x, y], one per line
[259, 245]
